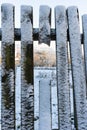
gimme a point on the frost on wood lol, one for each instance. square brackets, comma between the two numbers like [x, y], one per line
[27, 21]
[45, 105]
[84, 24]
[44, 24]
[8, 69]
[7, 22]
[54, 101]
[78, 70]
[27, 90]
[62, 69]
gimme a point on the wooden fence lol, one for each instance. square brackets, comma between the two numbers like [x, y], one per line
[66, 30]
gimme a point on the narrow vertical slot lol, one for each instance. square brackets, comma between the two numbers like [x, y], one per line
[18, 85]
[71, 88]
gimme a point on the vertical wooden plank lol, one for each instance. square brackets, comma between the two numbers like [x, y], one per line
[8, 68]
[62, 69]
[78, 70]
[44, 105]
[44, 24]
[84, 25]
[54, 101]
[27, 90]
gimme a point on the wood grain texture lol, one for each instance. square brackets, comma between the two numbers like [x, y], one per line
[44, 24]
[7, 68]
[45, 105]
[62, 69]
[84, 25]
[79, 81]
[27, 90]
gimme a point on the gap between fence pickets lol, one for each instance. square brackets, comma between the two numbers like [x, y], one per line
[17, 34]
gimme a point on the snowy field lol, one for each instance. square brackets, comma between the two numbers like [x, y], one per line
[39, 74]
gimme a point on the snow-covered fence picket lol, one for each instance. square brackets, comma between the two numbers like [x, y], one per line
[79, 80]
[8, 69]
[62, 68]
[27, 90]
[66, 30]
[45, 105]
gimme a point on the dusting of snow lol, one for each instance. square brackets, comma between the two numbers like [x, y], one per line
[78, 70]
[7, 68]
[62, 69]
[44, 25]
[84, 24]
[27, 88]
[7, 23]
[48, 74]
[26, 24]
[45, 105]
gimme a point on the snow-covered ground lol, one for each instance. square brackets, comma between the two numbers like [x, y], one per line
[39, 74]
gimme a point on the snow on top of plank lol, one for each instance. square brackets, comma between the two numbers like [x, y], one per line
[59, 12]
[26, 9]
[7, 23]
[62, 68]
[7, 5]
[44, 11]
[44, 24]
[26, 23]
[77, 68]
[74, 27]
[60, 8]
[61, 24]
[73, 12]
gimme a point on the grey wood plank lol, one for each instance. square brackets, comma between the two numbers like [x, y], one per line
[45, 105]
[62, 69]
[7, 68]
[44, 24]
[27, 88]
[84, 25]
[17, 34]
[77, 69]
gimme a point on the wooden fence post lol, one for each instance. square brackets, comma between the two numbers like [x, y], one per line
[79, 81]
[8, 69]
[44, 25]
[45, 105]
[84, 25]
[62, 69]
[27, 90]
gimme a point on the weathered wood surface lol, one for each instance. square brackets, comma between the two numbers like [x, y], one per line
[7, 68]
[84, 25]
[27, 90]
[62, 69]
[45, 105]
[44, 24]
[79, 81]
[17, 34]
[54, 102]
